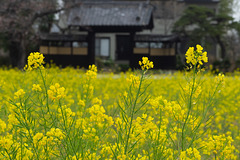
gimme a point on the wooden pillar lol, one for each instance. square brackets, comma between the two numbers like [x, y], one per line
[176, 47]
[176, 54]
[132, 57]
[48, 47]
[91, 47]
[71, 44]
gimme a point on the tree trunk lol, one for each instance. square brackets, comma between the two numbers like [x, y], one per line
[222, 46]
[14, 53]
[17, 53]
[23, 54]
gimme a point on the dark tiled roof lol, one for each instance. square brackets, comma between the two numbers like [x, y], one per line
[111, 14]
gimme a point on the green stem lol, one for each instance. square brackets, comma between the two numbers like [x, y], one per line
[66, 127]
[204, 114]
[10, 158]
[45, 87]
[132, 111]
[189, 107]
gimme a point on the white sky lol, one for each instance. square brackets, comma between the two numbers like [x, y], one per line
[60, 4]
[236, 16]
[236, 10]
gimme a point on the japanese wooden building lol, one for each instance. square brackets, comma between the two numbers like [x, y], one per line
[122, 21]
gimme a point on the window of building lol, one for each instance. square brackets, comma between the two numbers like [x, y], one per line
[77, 44]
[65, 44]
[60, 43]
[156, 45]
[141, 44]
[102, 47]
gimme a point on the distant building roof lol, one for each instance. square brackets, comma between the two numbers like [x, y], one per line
[111, 14]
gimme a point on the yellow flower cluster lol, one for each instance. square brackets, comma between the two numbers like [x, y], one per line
[19, 94]
[145, 63]
[37, 138]
[106, 151]
[92, 72]
[90, 133]
[57, 133]
[35, 60]
[12, 120]
[219, 146]
[46, 144]
[56, 92]
[88, 90]
[194, 89]
[196, 56]
[92, 122]
[36, 87]
[66, 115]
[143, 125]
[2, 83]
[81, 103]
[219, 78]
[98, 116]
[6, 142]
[3, 126]
[190, 154]
[97, 101]
[134, 80]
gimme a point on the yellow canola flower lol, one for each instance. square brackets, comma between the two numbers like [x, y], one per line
[145, 63]
[20, 93]
[6, 142]
[35, 60]
[190, 154]
[74, 157]
[194, 89]
[36, 87]
[3, 126]
[196, 56]
[12, 120]
[56, 92]
[219, 78]
[134, 80]
[98, 115]
[92, 72]
[81, 103]
[97, 101]
[37, 138]
[56, 132]
[66, 111]
[220, 146]
[2, 83]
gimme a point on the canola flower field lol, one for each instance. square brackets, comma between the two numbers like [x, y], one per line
[53, 113]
